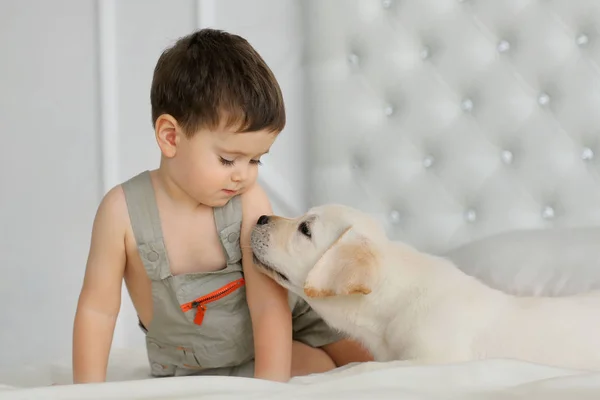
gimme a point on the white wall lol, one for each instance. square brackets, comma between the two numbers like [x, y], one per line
[75, 120]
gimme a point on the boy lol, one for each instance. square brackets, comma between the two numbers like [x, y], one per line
[179, 235]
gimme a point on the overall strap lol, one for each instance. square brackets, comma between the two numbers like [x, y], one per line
[228, 220]
[145, 222]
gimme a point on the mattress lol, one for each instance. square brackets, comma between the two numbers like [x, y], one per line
[489, 379]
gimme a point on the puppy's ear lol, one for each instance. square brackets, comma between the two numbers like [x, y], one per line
[349, 266]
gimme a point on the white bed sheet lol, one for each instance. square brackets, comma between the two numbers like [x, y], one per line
[484, 380]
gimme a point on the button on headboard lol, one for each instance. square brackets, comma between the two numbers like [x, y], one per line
[454, 120]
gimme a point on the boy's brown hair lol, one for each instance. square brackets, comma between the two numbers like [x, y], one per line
[212, 79]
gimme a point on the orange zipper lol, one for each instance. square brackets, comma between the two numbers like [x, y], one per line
[201, 302]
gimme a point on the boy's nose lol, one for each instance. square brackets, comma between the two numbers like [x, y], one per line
[240, 174]
[263, 219]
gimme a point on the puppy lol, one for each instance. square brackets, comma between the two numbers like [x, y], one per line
[403, 304]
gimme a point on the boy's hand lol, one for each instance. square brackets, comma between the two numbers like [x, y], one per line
[100, 297]
[267, 301]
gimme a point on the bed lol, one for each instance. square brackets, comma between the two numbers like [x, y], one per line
[491, 379]
[471, 130]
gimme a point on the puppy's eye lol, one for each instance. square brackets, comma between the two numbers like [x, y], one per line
[303, 228]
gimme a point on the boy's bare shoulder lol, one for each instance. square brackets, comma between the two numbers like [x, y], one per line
[111, 224]
[255, 203]
[114, 207]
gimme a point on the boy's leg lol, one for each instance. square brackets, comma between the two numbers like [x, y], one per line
[308, 360]
[346, 351]
[311, 330]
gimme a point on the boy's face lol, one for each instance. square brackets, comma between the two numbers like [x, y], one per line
[214, 166]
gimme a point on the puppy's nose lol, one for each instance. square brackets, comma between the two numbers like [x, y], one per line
[263, 219]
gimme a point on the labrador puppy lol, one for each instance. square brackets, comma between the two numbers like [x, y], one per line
[404, 304]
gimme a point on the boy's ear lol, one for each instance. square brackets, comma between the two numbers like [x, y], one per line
[349, 266]
[167, 132]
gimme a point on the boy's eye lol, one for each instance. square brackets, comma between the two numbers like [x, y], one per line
[226, 162]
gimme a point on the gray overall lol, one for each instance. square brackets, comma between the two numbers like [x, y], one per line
[201, 322]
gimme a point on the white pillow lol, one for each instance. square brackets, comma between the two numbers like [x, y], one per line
[554, 262]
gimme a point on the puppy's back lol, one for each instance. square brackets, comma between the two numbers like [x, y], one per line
[557, 331]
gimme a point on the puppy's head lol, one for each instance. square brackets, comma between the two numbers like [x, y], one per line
[329, 251]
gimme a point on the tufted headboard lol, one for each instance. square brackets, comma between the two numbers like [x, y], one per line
[455, 120]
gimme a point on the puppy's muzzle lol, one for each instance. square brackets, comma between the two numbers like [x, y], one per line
[259, 242]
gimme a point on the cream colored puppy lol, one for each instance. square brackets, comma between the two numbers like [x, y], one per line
[403, 304]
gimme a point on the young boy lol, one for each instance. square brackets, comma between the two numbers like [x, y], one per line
[179, 235]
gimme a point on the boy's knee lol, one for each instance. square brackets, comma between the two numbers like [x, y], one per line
[347, 351]
[308, 360]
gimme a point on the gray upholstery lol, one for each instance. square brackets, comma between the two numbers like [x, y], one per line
[453, 121]
[547, 261]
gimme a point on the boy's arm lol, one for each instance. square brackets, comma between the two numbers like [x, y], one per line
[267, 301]
[100, 297]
